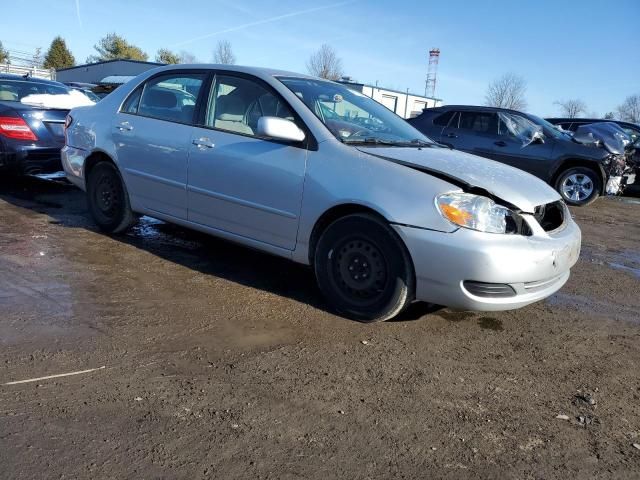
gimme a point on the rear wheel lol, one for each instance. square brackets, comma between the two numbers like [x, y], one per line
[363, 268]
[108, 199]
[579, 186]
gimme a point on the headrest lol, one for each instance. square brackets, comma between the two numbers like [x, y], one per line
[230, 107]
[161, 98]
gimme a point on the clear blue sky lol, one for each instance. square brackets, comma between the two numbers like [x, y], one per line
[585, 49]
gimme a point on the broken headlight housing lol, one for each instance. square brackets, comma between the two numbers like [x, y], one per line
[480, 213]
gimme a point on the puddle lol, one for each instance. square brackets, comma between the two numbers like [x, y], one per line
[593, 307]
[490, 323]
[627, 261]
[156, 231]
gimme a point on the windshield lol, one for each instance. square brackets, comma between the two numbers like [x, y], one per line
[16, 90]
[353, 117]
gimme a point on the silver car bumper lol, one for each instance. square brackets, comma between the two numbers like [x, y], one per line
[533, 267]
[73, 164]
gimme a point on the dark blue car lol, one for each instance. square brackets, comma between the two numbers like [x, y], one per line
[30, 137]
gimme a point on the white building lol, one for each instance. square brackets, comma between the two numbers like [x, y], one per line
[404, 104]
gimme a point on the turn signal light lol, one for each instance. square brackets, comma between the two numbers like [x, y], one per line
[16, 128]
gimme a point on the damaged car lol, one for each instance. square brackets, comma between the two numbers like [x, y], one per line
[579, 167]
[312, 171]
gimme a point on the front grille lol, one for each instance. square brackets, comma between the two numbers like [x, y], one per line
[488, 290]
[550, 216]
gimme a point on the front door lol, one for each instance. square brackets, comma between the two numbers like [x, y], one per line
[241, 183]
[152, 135]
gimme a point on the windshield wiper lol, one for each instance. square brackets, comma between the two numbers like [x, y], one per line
[416, 142]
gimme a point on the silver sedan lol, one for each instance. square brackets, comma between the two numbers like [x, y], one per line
[319, 173]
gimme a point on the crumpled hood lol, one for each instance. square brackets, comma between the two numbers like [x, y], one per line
[509, 184]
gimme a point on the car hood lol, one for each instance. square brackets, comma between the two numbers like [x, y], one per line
[470, 172]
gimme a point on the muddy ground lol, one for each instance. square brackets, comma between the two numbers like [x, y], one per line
[224, 363]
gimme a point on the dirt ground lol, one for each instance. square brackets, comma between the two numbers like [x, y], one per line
[221, 362]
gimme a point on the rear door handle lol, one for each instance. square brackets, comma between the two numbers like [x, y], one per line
[500, 143]
[203, 143]
[451, 135]
[125, 127]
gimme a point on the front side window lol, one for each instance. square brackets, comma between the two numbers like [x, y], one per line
[237, 103]
[351, 116]
[171, 97]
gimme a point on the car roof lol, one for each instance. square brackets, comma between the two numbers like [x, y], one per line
[590, 120]
[257, 71]
[479, 108]
[9, 76]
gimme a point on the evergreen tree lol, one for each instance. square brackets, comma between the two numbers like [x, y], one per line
[58, 55]
[113, 47]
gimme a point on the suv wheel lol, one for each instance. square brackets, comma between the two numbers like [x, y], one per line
[363, 269]
[108, 199]
[579, 186]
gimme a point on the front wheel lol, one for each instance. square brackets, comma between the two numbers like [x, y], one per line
[579, 186]
[363, 269]
[108, 199]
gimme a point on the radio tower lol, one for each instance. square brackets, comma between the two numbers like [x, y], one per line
[430, 85]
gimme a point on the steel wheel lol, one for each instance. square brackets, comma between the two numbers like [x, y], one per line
[108, 199]
[359, 270]
[363, 268]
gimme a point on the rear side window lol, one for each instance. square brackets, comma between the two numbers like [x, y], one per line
[444, 119]
[171, 97]
[481, 122]
[131, 104]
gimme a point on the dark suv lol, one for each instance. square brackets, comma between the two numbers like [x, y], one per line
[580, 172]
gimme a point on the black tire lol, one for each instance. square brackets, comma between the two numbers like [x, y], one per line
[566, 182]
[363, 268]
[108, 199]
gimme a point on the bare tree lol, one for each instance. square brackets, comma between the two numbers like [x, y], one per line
[571, 108]
[223, 53]
[629, 111]
[508, 91]
[325, 63]
[609, 116]
[187, 57]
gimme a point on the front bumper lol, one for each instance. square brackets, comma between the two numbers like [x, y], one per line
[534, 267]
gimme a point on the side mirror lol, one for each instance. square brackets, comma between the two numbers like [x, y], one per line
[280, 129]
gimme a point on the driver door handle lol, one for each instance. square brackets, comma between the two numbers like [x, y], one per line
[451, 135]
[500, 143]
[203, 143]
[125, 127]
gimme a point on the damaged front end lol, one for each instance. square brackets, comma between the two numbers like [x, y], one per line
[619, 166]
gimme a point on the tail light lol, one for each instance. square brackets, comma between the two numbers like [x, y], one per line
[16, 128]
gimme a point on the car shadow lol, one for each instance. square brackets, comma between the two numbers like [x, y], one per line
[66, 206]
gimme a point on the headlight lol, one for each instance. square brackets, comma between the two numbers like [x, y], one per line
[479, 213]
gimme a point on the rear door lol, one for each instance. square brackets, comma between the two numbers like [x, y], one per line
[239, 182]
[152, 136]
